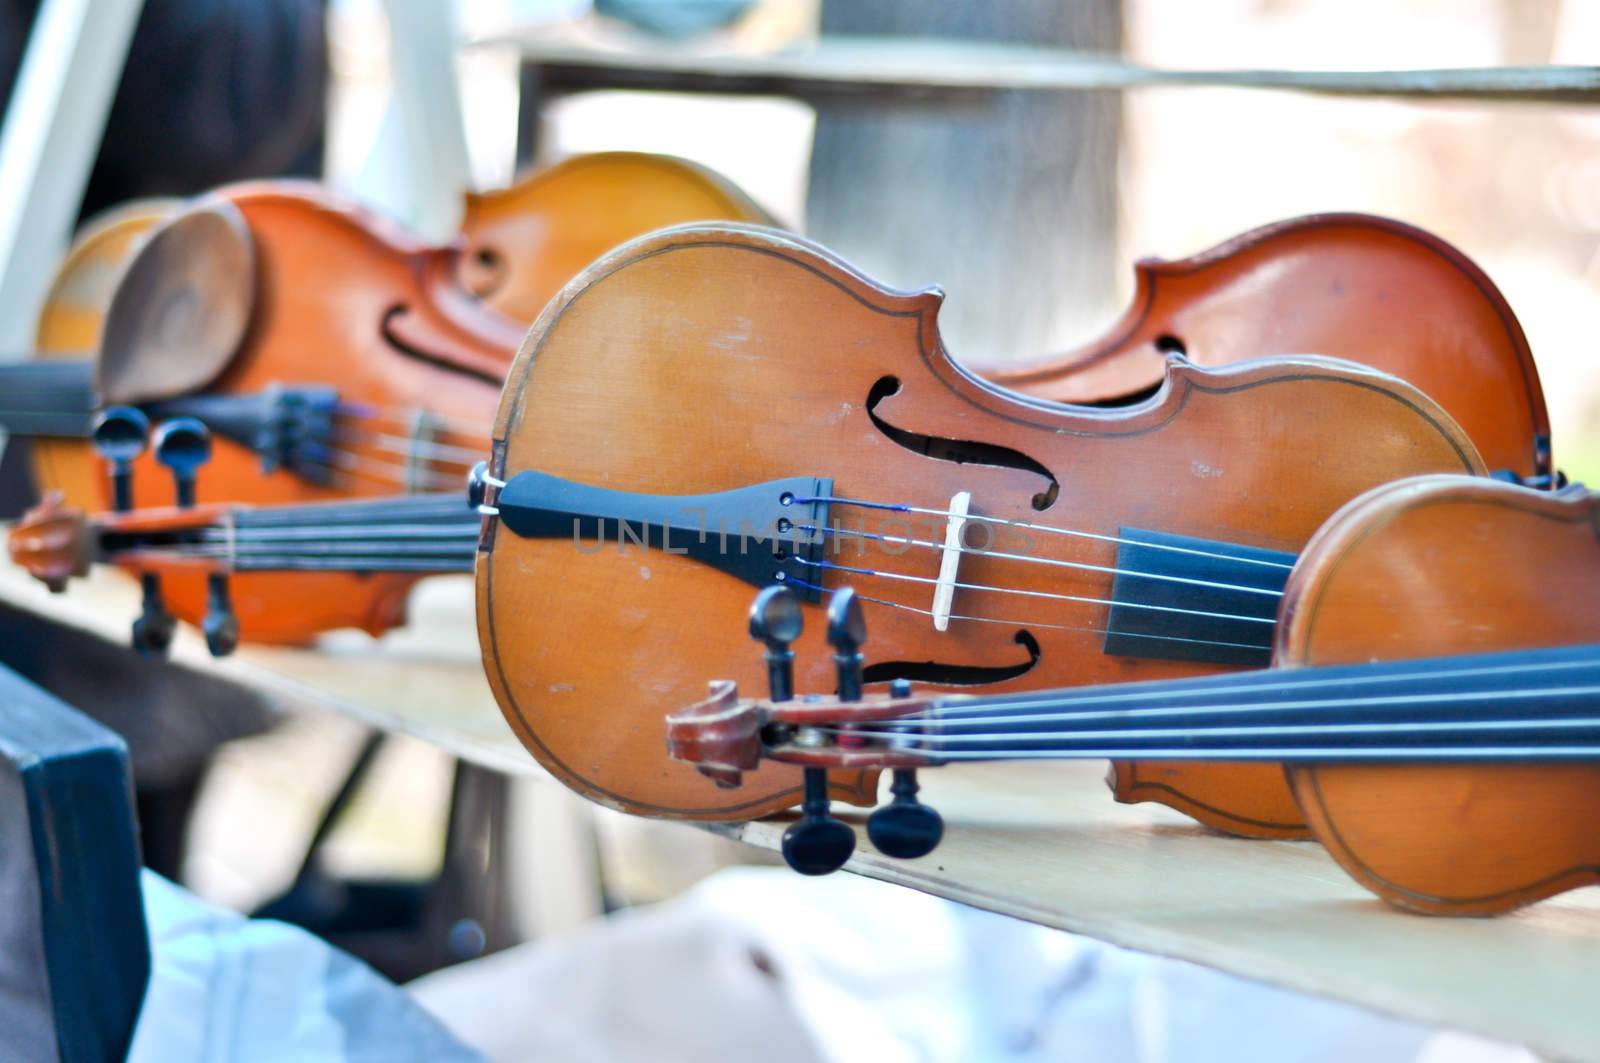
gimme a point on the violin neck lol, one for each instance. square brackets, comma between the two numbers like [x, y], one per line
[414, 533]
[1522, 705]
[48, 398]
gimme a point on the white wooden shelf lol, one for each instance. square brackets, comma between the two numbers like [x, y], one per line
[1045, 843]
[1041, 842]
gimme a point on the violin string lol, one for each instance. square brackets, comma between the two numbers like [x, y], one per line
[1033, 594]
[388, 472]
[1346, 754]
[1258, 682]
[445, 452]
[1197, 736]
[360, 411]
[998, 709]
[796, 581]
[1327, 706]
[1057, 562]
[903, 507]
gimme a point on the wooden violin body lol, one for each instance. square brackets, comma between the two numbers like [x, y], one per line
[70, 325]
[710, 358]
[524, 242]
[1373, 290]
[1441, 566]
[350, 302]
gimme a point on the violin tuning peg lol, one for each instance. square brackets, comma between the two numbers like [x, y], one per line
[776, 621]
[120, 435]
[905, 828]
[847, 630]
[153, 630]
[221, 624]
[817, 843]
[183, 445]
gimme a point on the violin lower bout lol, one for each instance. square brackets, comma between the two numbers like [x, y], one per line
[1399, 830]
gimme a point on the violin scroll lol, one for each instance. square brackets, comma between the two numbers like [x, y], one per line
[51, 542]
[720, 736]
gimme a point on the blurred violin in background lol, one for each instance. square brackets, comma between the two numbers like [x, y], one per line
[1370, 289]
[524, 242]
[1434, 703]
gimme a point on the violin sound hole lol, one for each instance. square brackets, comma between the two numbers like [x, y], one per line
[955, 675]
[394, 328]
[961, 451]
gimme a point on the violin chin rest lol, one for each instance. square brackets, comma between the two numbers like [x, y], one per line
[181, 308]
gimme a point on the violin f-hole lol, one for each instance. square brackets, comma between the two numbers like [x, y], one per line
[937, 673]
[960, 451]
[411, 334]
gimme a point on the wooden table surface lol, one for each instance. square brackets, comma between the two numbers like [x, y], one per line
[423, 680]
[1042, 842]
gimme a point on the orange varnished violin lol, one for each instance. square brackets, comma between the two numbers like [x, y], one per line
[1354, 286]
[376, 368]
[1435, 704]
[524, 242]
[701, 390]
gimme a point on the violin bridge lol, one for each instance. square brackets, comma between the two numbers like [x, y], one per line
[944, 591]
[419, 467]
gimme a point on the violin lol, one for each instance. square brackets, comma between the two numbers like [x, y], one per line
[524, 242]
[1370, 289]
[1434, 701]
[374, 370]
[716, 407]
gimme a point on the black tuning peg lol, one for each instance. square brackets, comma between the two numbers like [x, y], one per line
[847, 630]
[183, 444]
[120, 435]
[817, 843]
[153, 630]
[221, 624]
[776, 620]
[905, 828]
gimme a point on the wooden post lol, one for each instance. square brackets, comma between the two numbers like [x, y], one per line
[1008, 202]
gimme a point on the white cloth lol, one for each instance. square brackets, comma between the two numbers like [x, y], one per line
[226, 989]
[761, 963]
